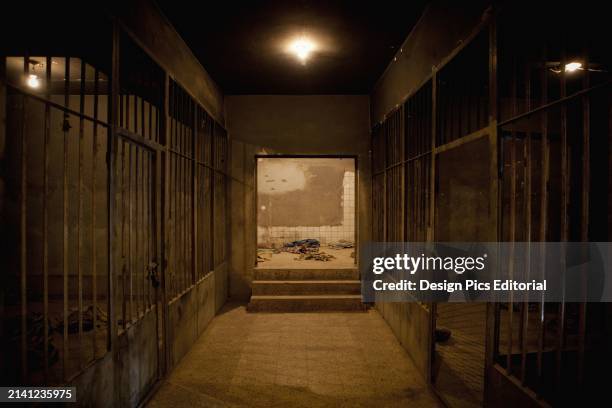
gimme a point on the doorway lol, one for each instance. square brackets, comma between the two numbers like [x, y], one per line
[306, 212]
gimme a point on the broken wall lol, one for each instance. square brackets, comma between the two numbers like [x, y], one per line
[301, 198]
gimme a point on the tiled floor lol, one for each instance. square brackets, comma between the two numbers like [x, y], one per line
[460, 376]
[296, 360]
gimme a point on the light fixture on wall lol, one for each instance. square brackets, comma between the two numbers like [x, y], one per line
[573, 66]
[33, 81]
[568, 68]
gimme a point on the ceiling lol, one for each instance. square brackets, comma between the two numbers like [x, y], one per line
[243, 44]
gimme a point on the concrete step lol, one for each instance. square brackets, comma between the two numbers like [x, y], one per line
[306, 287]
[269, 274]
[306, 303]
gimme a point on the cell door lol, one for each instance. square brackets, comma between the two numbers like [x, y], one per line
[136, 281]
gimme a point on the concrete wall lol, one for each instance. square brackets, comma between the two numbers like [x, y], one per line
[301, 198]
[442, 27]
[159, 38]
[125, 374]
[294, 125]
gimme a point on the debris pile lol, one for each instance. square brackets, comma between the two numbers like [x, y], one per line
[341, 244]
[315, 256]
[265, 254]
[302, 246]
[87, 318]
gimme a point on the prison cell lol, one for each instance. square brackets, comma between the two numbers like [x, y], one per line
[57, 141]
[554, 178]
[555, 122]
[98, 150]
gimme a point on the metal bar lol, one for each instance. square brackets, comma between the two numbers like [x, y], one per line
[56, 105]
[512, 232]
[564, 232]
[584, 215]
[79, 231]
[183, 209]
[23, 196]
[544, 172]
[137, 226]
[65, 219]
[463, 140]
[560, 101]
[149, 224]
[194, 203]
[527, 238]
[161, 210]
[525, 305]
[143, 128]
[124, 211]
[432, 183]
[94, 250]
[175, 226]
[136, 114]
[45, 214]
[511, 238]
[112, 205]
[130, 258]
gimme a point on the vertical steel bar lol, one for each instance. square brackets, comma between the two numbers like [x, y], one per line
[195, 250]
[130, 227]
[124, 221]
[564, 232]
[512, 226]
[545, 171]
[136, 129]
[79, 229]
[584, 215]
[23, 196]
[65, 217]
[527, 237]
[143, 128]
[137, 265]
[92, 238]
[148, 227]
[112, 203]
[175, 224]
[45, 214]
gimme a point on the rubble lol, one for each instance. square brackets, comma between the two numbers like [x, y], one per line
[315, 256]
[341, 244]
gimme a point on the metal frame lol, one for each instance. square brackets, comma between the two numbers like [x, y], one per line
[520, 159]
[150, 193]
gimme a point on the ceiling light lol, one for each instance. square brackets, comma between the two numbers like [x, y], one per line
[302, 48]
[33, 81]
[573, 66]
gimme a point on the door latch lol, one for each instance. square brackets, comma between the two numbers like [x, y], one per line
[153, 274]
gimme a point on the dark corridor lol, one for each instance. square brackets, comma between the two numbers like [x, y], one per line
[140, 238]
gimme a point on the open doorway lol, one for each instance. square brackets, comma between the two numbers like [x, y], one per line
[306, 212]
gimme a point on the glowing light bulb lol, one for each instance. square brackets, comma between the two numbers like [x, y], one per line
[302, 47]
[33, 81]
[573, 66]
